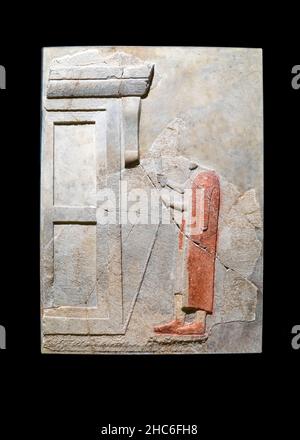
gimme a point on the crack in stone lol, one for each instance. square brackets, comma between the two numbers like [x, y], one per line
[142, 279]
[127, 236]
[88, 296]
[227, 268]
[240, 321]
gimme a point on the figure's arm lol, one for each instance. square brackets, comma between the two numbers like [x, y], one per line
[207, 198]
[164, 181]
[214, 208]
[178, 187]
[211, 205]
[171, 199]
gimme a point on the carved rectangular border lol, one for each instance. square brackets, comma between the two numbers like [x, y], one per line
[84, 320]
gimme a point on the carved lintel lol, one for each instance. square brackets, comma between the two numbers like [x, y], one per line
[101, 72]
[94, 88]
[99, 80]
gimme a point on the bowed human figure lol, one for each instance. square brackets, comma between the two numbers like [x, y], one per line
[195, 262]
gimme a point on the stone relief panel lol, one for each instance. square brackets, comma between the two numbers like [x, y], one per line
[151, 200]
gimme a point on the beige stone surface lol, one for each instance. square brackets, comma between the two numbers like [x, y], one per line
[104, 287]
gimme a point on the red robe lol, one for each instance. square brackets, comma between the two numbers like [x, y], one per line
[202, 246]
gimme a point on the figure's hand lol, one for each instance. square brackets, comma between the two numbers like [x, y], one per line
[172, 200]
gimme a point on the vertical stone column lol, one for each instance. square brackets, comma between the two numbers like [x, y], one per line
[131, 108]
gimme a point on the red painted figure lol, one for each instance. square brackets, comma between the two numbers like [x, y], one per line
[194, 289]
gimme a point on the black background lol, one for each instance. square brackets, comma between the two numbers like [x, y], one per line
[71, 396]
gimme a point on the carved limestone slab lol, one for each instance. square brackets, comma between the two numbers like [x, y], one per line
[151, 200]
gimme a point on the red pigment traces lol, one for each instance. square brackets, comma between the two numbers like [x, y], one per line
[201, 259]
[181, 234]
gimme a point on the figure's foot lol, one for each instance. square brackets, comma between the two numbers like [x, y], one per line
[196, 328]
[169, 328]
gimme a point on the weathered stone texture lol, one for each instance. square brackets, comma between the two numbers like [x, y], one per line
[146, 117]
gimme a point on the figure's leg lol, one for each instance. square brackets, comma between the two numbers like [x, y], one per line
[200, 316]
[171, 327]
[200, 289]
[179, 313]
[195, 328]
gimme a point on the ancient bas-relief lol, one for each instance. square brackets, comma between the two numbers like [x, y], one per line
[151, 200]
